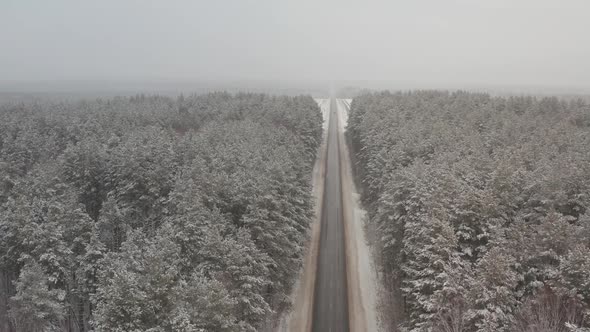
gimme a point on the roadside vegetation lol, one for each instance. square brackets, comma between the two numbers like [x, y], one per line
[153, 214]
[481, 206]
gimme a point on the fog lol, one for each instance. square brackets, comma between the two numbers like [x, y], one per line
[418, 43]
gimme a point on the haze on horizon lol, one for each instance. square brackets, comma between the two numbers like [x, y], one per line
[418, 43]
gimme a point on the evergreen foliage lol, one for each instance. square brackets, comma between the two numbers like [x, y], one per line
[154, 214]
[481, 204]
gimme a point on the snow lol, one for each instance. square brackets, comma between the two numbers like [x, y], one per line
[343, 108]
[299, 317]
[367, 285]
[361, 258]
[324, 104]
[347, 103]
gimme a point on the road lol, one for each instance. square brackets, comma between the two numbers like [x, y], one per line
[330, 304]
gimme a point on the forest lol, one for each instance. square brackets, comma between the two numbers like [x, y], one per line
[151, 213]
[481, 208]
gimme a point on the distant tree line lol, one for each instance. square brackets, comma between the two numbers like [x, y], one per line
[481, 207]
[151, 213]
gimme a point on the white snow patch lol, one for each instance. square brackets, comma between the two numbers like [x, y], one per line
[325, 108]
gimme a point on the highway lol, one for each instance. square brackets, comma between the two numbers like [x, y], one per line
[330, 303]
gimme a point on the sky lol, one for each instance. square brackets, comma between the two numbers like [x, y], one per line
[414, 42]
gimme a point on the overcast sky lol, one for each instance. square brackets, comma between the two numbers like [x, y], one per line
[499, 42]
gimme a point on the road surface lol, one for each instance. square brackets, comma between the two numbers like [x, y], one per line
[330, 304]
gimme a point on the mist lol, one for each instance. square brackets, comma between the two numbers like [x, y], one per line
[403, 44]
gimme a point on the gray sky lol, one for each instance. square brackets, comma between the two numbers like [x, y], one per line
[497, 42]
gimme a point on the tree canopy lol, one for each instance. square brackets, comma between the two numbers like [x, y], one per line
[150, 213]
[481, 205]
